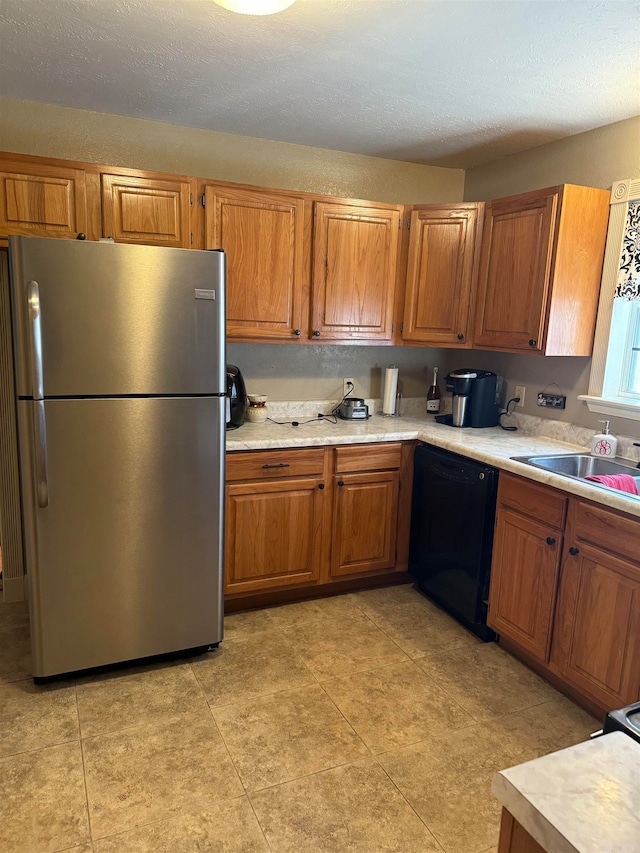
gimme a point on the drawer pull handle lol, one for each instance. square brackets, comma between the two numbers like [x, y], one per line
[460, 336]
[574, 551]
[277, 465]
[321, 486]
[341, 483]
[298, 332]
[551, 540]
[316, 334]
[533, 342]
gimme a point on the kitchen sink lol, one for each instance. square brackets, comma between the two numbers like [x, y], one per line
[578, 466]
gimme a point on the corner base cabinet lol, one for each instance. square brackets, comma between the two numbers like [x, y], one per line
[597, 632]
[568, 594]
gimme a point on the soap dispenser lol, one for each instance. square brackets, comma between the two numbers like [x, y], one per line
[603, 444]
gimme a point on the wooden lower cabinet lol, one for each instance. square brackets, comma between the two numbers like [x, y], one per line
[274, 532]
[597, 632]
[514, 838]
[579, 617]
[365, 512]
[312, 516]
[526, 562]
[524, 577]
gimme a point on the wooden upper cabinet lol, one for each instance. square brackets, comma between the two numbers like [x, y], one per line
[440, 274]
[262, 234]
[354, 271]
[154, 211]
[540, 269]
[41, 200]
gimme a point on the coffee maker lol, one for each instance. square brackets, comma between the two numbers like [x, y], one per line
[476, 397]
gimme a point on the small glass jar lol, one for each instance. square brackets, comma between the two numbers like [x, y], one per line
[257, 411]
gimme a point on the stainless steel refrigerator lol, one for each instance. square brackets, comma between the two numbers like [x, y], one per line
[120, 380]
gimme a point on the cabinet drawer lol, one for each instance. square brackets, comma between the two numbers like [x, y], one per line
[608, 531]
[367, 457]
[266, 464]
[539, 502]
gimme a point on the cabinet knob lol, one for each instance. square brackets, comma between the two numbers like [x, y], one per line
[533, 343]
[297, 332]
[460, 336]
[321, 486]
[574, 551]
[551, 540]
[81, 236]
[316, 333]
[341, 482]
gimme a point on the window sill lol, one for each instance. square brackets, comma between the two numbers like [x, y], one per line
[616, 408]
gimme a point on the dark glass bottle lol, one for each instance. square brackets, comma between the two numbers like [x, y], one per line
[434, 397]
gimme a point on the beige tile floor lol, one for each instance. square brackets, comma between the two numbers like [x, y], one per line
[369, 722]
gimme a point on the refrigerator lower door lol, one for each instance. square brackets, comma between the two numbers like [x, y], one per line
[123, 527]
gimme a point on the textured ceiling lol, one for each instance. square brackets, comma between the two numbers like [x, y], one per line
[447, 82]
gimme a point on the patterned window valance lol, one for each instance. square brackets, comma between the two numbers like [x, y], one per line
[628, 285]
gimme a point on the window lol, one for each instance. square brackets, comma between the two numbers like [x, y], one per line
[614, 387]
[630, 384]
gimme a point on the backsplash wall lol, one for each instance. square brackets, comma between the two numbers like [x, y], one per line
[536, 373]
[286, 372]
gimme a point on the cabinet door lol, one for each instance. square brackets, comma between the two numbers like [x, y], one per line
[267, 282]
[515, 267]
[442, 244]
[39, 200]
[354, 271]
[364, 522]
[598, 625]
[146, 210]
[274, 533]
[524, 575]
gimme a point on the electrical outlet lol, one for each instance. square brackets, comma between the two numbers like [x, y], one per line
[348, 385]
[520, 392]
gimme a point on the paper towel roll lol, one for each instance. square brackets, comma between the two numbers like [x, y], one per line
[390, 389]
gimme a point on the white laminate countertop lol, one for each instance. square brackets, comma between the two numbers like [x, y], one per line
[494, 446]
[584, 799]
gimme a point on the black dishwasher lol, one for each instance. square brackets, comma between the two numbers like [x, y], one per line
[452, 519]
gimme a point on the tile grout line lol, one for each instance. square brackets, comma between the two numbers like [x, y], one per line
[310, 775]
[423, 822]
[84, 771]
[347, 721]
[227, 750]
[264, 835]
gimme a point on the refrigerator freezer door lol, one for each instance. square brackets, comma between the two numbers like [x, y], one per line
[125, 560]
[117, 320]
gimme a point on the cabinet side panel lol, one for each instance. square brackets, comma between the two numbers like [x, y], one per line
[578, 269]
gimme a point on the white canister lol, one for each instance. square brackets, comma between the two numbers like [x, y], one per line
[257, 412]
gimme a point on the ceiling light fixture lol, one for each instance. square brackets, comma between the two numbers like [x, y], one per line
[255, 7]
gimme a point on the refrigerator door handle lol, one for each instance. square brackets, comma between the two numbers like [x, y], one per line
[33, 298]
[42, 482]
